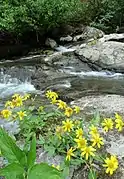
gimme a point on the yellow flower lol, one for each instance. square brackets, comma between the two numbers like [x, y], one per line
[81, 142]
[19, 101]
[61, 104]
[9, 104]
[79, 133]
[40, 109]
[76, 109]
[119, 122]
[59, 131]
[70, 153]
[77, 122]
[88, 151]
[21, 114]
[53, 101]
[67, 125]
[107, 124]
[26, 96]
[6, 113]
[57, 167]
[93, 130]
[97, 140]
[15, 95]
[50, 94]
[111, 164]
[68, 111]
[117, 116]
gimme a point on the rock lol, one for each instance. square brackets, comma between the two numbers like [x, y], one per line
[66, 39]
[51, 43]
[107, 55]
[120, 29]
[76, 172]
[115, 144]
[56, 76]
[89, 33]
[107, 105]
[112, 37]
[78, 32]
[63, 30]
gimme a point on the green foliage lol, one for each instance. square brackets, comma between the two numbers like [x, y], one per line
[81, 142]
[10, 150]
[43, 171]
[92, 174]
[36, 15]
[106, 14]
[37, 122]
[21, 16]
[16, 169]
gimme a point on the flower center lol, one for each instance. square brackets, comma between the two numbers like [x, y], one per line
[111, 165]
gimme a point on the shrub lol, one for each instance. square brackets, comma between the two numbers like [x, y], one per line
[35, 15]
[106, 14]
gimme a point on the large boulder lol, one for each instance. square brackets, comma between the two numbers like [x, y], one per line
[107, 105]
[107, 55]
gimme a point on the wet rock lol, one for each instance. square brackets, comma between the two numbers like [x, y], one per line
[66, 39]
[54, 73]
[112, 37]
[51, 43]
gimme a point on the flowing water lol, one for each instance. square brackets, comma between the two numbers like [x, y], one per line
[10, 85]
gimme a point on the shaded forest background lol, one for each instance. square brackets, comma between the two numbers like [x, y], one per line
[23, 17]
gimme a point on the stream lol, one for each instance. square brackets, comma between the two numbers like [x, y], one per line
[19, 80]
[70, 79]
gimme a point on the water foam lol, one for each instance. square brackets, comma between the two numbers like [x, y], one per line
[10, 85]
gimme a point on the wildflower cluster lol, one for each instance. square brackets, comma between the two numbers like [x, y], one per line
[13, 108]
[117, 123]
[68, 111]
[82, 143]
[31, 119]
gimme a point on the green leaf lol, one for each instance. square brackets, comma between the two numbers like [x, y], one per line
[92, 174]
[50, 150]
[32, 153]
[41, 140]
[76, 162]
[10, 150]
[31, 108]
[99, 158]
[12, 171]
[96, 119]
[65, 172]
[44, 171]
